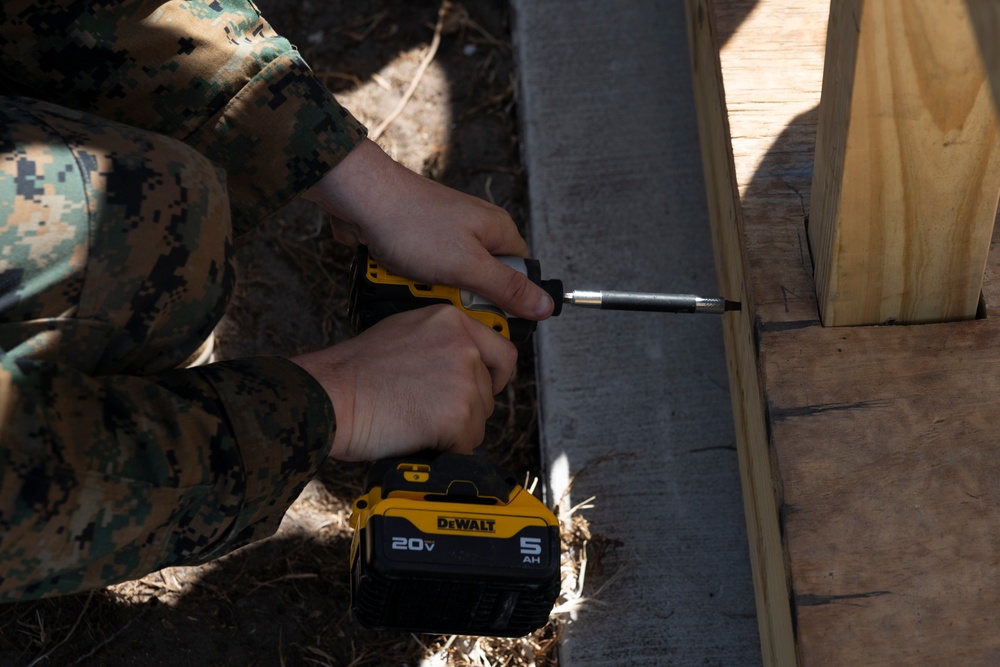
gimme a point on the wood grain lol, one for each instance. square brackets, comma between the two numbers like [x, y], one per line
[907, 165]
[759, 499]
[880, 441]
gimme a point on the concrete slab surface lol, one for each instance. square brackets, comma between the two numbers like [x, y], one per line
[638, 400]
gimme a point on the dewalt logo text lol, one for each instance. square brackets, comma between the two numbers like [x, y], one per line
[466, 525]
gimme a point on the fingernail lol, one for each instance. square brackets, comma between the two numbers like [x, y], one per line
[544, 305]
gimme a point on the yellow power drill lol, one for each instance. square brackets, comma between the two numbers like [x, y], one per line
[377, 293]
[451, 544]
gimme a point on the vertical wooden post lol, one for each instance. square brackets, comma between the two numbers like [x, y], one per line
[907, 171]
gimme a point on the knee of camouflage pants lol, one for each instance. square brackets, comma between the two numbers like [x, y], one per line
[115, 243]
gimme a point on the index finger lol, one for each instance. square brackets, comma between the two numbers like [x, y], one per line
[496, 352]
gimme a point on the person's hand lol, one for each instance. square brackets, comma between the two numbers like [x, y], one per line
[423, 379]
[427, 231]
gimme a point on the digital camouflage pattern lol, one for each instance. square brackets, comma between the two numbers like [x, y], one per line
[211, 73]
[115, 263]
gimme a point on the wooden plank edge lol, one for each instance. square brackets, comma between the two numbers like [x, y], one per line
[831, 130]
[761, 490]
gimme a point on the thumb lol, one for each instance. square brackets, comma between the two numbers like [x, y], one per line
[512, 291]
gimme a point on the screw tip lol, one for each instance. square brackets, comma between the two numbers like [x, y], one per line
[733, 305]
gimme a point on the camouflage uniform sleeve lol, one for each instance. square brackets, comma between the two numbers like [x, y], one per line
[212, 73]
[96, 485]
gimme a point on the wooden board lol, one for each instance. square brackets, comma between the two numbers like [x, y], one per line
[869, 454]
[907, 165]
[725, 214]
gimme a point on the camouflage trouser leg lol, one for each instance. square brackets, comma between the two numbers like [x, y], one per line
[115, 243]
[114, 264]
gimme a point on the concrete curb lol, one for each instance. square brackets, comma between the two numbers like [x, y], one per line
[617, 202]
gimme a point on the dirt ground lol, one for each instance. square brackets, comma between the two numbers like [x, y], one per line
[285, 601]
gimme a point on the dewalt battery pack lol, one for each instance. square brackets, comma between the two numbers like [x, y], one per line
[451, 544]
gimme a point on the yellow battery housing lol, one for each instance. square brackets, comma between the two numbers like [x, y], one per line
[451, 544]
